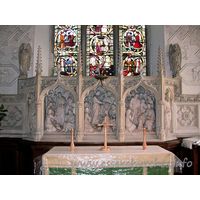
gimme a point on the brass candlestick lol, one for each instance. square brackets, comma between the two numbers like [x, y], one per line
[72, 146]
[101, 78]
[144, 139]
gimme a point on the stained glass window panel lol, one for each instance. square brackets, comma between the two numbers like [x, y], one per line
[132, 39]
[67, 40]
[99, 59]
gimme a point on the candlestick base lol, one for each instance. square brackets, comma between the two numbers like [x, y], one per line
[71, 148]
[105, 149]
[144, 146]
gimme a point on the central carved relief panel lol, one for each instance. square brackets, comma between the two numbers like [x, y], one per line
[97, 105]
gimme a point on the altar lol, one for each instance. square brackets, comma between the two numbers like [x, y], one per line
[120, 160]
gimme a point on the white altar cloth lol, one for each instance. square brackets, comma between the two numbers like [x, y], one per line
[187, 142]
[118, 157]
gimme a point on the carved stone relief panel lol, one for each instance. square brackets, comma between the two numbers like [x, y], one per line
[14, 118]
[97, 105]
[140, 111]
[14, 122]
[187, 116]
[8, 74]
[59, 111]
[191, 74]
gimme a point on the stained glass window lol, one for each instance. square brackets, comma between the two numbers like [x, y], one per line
[132, 39]
[99, 50]
[67, 40]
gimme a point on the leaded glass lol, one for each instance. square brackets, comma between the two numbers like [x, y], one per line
[67, 40]
[132, 39]
[99, 50]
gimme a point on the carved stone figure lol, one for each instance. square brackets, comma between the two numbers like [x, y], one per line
[96, 110]
[69, 121]
[175, 58]
[60, 109]
[150, 117]
[24, 59]
[196, 74]
[135, 107]
[88, 127]
[70, 105]
[130, 126]
[49, 126]
[142, 117]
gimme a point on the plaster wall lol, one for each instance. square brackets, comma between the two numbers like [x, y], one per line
[155, 38]
[45, 38]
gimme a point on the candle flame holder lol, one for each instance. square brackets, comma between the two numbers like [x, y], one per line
[101, 78]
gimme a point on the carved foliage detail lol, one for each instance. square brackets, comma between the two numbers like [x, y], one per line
[186, 115]
[87, 83]
[130, 82]
[46, 83]
[13, 118]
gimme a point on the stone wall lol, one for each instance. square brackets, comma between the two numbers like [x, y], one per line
[11, 37]
[188, 38]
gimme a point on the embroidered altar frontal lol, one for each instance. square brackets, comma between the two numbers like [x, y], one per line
[121, 160]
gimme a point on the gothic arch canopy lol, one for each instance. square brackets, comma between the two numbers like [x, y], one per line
[143, 84]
